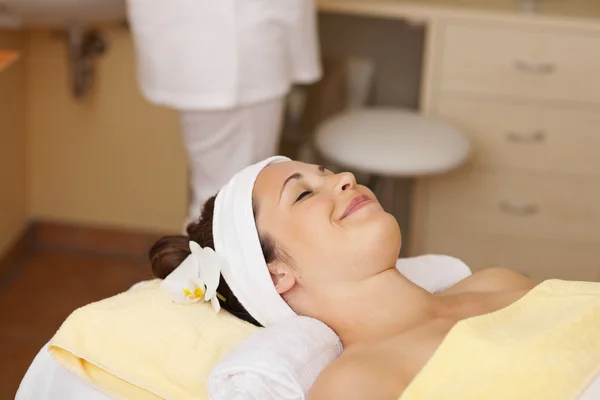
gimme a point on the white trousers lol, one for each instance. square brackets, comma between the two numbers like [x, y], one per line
[222, 142]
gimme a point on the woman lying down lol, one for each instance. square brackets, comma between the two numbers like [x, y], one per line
[293, 238]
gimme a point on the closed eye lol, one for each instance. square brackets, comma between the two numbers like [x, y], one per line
[303, 195]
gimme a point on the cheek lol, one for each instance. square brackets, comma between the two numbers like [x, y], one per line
[313, 219]
[310, 236]
[321, 209]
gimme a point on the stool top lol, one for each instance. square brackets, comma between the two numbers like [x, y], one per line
[391, 142]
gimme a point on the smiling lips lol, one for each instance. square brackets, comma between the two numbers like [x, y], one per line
[357, 203]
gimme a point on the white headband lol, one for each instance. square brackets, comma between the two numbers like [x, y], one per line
[236, 239]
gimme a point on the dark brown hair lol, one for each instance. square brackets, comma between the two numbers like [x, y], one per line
[170, 251]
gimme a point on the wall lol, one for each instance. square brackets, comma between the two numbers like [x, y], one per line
[13, 190]
[114, 159]
[111, 159]
[395, 46]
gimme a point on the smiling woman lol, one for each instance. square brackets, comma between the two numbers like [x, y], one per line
[295, 206]
[292, 202]
[334, 229]
[298, 239]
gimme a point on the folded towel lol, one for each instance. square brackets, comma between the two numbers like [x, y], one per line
[279, 362]
[544, 346]
[433, 272]
[140, 345]
[282, 361]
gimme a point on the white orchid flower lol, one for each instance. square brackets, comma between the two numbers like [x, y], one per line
[196, 278]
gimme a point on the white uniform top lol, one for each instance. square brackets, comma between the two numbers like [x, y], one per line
[216, 54]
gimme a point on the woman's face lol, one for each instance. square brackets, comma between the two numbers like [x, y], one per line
[334, 230]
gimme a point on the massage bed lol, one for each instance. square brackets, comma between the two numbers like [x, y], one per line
[46, 379]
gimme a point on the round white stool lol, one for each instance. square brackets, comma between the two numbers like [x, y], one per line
[390, 143]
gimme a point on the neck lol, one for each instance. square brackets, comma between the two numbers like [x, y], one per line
[384, 305]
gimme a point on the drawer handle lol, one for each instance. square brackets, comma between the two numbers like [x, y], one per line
[535, 68]
[518, 209]
[530, 137]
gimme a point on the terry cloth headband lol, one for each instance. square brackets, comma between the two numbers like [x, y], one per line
[236, 239]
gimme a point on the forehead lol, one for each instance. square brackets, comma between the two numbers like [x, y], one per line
[270, 180]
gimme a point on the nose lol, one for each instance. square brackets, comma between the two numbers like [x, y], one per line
[346, 180]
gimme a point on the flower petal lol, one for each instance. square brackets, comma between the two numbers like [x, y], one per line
[214, 301]
[210, 271]
[195, 247]
[181, 278]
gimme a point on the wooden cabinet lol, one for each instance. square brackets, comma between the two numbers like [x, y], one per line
[521, 62]
[537, 258]
[527, 136]
[528, 97]
[523, 205]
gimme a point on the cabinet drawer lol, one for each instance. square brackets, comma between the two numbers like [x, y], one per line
[527, 136]
[524, 205]
[542, 64]
[538, 259]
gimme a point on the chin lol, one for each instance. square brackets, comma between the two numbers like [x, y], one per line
[381, 234]
[391, 232]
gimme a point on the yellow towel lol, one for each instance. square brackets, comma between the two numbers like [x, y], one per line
[544, 346]
[139, 345]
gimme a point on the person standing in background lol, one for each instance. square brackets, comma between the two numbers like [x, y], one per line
[226, 66]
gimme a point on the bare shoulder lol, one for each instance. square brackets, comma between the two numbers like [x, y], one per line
[350, 377]
[345, 378]
[493, 280]
[509, 278]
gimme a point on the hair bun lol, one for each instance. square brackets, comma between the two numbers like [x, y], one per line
[168, 253]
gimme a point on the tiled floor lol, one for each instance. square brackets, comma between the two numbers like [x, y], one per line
[47, 287]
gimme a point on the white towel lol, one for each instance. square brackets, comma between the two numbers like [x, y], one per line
[281, 362]
[236, 241]
[433, 272]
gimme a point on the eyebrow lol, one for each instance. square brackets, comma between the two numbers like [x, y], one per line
[295, 176]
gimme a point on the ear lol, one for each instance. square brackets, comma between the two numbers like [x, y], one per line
[282, 277]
